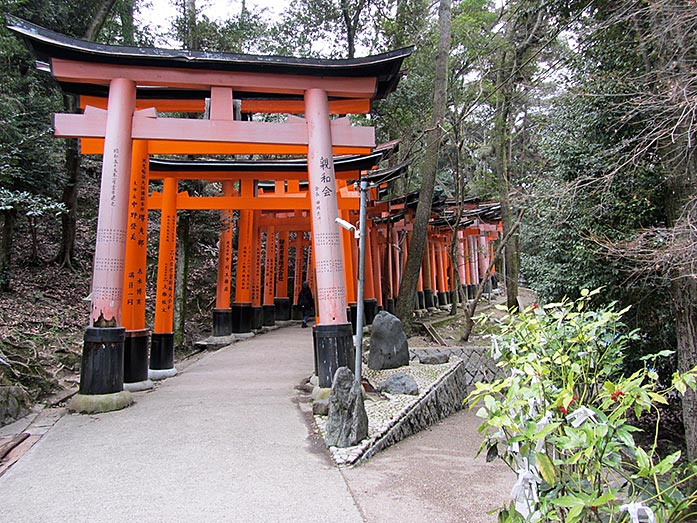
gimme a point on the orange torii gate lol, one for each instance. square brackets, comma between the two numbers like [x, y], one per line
[267, 196]
[139, 82]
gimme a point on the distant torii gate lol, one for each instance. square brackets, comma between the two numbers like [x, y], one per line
[292, 85]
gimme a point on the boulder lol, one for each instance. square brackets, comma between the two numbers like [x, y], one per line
[400, 383]
[347, 422]
[320, 407]
[14, 403]
[389, 348]
[434, 358]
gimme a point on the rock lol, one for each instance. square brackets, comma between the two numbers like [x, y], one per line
[320, 407]
[347, 423]
[14, 403]
[434, 358]
[314, 379]
[389, 348]
[307, 387]
[321, 393]
[400, 383]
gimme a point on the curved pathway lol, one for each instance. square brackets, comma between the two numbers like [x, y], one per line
[226, 441]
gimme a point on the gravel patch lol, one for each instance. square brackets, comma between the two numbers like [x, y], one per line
[385, 410]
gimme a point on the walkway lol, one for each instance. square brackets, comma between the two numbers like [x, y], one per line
[226, 441]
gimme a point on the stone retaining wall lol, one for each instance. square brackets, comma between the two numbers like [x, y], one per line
[445, 398]
[478, 366]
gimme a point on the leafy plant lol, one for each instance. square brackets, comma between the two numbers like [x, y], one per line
[560, 420]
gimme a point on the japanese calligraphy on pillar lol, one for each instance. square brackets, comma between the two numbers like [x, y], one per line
[281, 269]
[166, 305]
[243, 282]
[256, 269]
[136, 253]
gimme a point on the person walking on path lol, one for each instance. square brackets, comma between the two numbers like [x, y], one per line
[306, 302]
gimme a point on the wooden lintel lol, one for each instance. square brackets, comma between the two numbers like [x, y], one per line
[223, 176]
[350, 106]
[93, 125]
[96, 146]
[98, 73]
[266, 203]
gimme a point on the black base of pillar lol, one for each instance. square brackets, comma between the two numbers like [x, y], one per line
[162, 351]
[353, 315]
[135, 356]
[452, 297]
[471, 290]
[333, 349]
[390, 305]
[241, 317]
[420, 300]
[442, 298]
[428, 299]
[370, 308]
[222, 322]
[102, 361]
[463, 292]
[269, 315]
[257, 318]
[296, 313]
[282, 306]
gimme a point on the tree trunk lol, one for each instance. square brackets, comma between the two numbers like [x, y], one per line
[66, 254]
[127, 24]
[502, 144]
[685, 303]
[472, 307]
[99, 18]
[181, 277]
[8, 228]
[410, 277]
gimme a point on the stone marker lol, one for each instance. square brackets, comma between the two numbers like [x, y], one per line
[347, 423]
[389, 348]
[434, 358]
[400, 383]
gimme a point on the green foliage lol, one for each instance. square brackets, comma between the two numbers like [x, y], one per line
[560, 419]
[29, 204]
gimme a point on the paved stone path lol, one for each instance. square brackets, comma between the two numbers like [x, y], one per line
[226, 441]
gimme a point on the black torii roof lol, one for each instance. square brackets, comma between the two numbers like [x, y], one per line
[46, 44]
[341, 164]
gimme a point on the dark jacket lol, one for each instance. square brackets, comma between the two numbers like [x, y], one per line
[305, 299]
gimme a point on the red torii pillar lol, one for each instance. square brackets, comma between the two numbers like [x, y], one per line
[222, 313]
[101, 371]
[281, 300]
[334, 339]
[269, 277]
[442, 271]
[434, 271]
[256, 297]
[376, 262]
[162, 340]
[242, 306]
[370, 302]
[135, 364]
[426, 271]
[298, 273]
[388, 256]
[221, 108]
[461, 264]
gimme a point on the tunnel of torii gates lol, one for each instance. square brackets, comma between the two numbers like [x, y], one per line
[124, 90]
